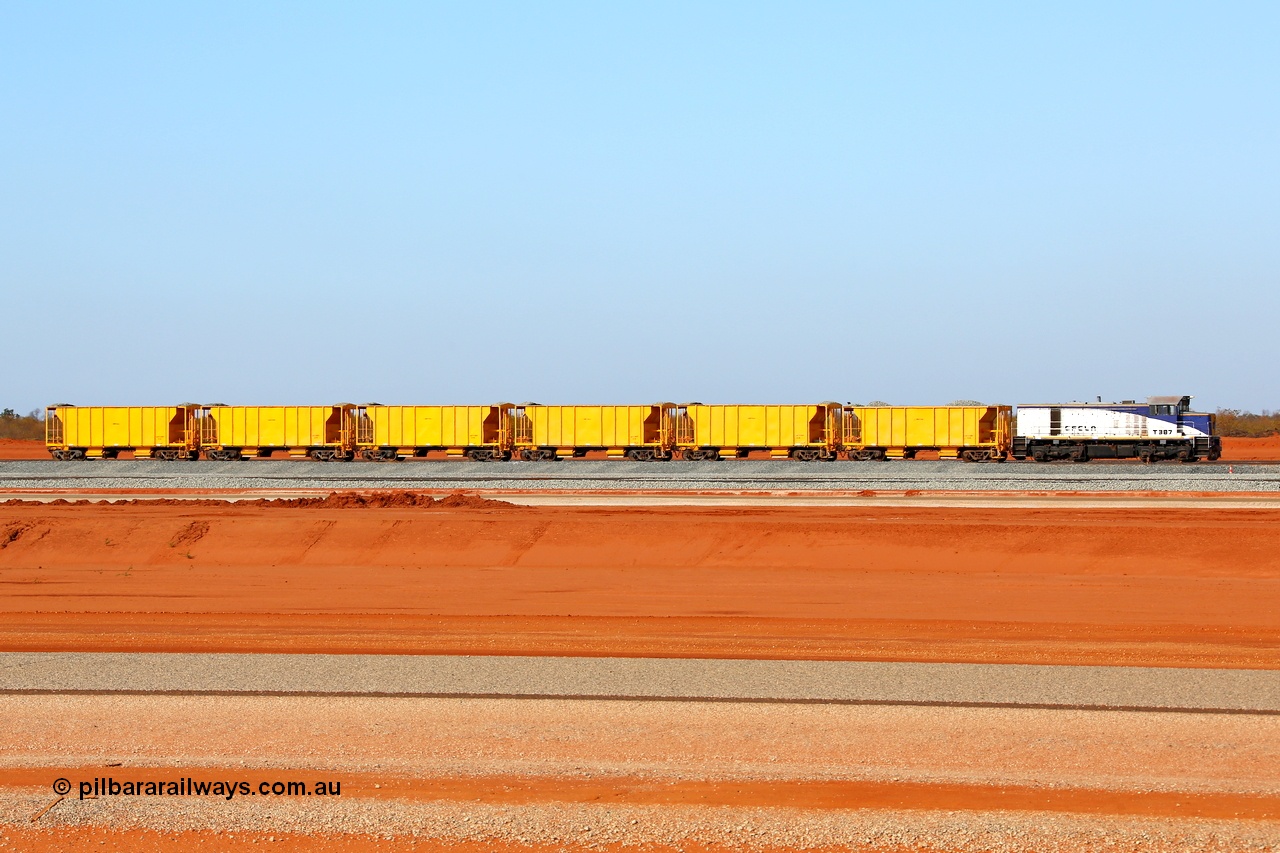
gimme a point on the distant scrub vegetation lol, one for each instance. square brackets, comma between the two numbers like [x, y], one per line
[1235, 422]
[14, 425]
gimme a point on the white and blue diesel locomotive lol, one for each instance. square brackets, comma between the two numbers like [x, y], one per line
[1160, 428]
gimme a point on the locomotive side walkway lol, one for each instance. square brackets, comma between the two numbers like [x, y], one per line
[838, 682]
[620, 476]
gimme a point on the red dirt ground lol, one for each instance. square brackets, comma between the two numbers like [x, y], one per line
[13, 448]
[801, 794]
[1251, 449]
[1138, 587]
[63, 839]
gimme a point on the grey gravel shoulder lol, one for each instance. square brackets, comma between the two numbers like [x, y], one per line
[583, 474]
[1121, 688]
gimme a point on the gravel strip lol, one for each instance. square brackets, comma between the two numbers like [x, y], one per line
[586, 826]
[741, 680]
[371, 740]
[583, 474]
[596, 743]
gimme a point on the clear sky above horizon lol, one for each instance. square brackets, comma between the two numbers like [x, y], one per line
[587, 203]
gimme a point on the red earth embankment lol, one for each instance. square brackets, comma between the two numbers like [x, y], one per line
[1142, 587]
[13, 448]
[1251, 449]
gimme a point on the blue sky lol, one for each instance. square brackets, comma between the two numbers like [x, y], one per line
[610, 203]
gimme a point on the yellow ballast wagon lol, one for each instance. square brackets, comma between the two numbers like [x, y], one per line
[623, 432]
[392, 432]
[234, 432]
[104, 432]
[798, 432]
[971, 433]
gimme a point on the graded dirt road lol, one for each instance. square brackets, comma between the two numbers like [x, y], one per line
[556, 770]
[554, 774]
[1133, 587]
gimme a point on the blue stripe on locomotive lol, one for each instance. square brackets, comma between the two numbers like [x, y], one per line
[1141, 410]
[1197, 421]
[1200, 422]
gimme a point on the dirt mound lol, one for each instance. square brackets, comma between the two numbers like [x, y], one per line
[353, 500]
[385, 500]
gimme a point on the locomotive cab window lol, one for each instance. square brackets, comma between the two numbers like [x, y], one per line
[1162, 410]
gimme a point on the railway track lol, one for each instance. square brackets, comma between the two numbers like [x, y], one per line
[580, 475]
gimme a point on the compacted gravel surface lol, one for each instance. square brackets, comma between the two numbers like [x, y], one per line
[624, 774]
[625, 476]
[857, 682]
